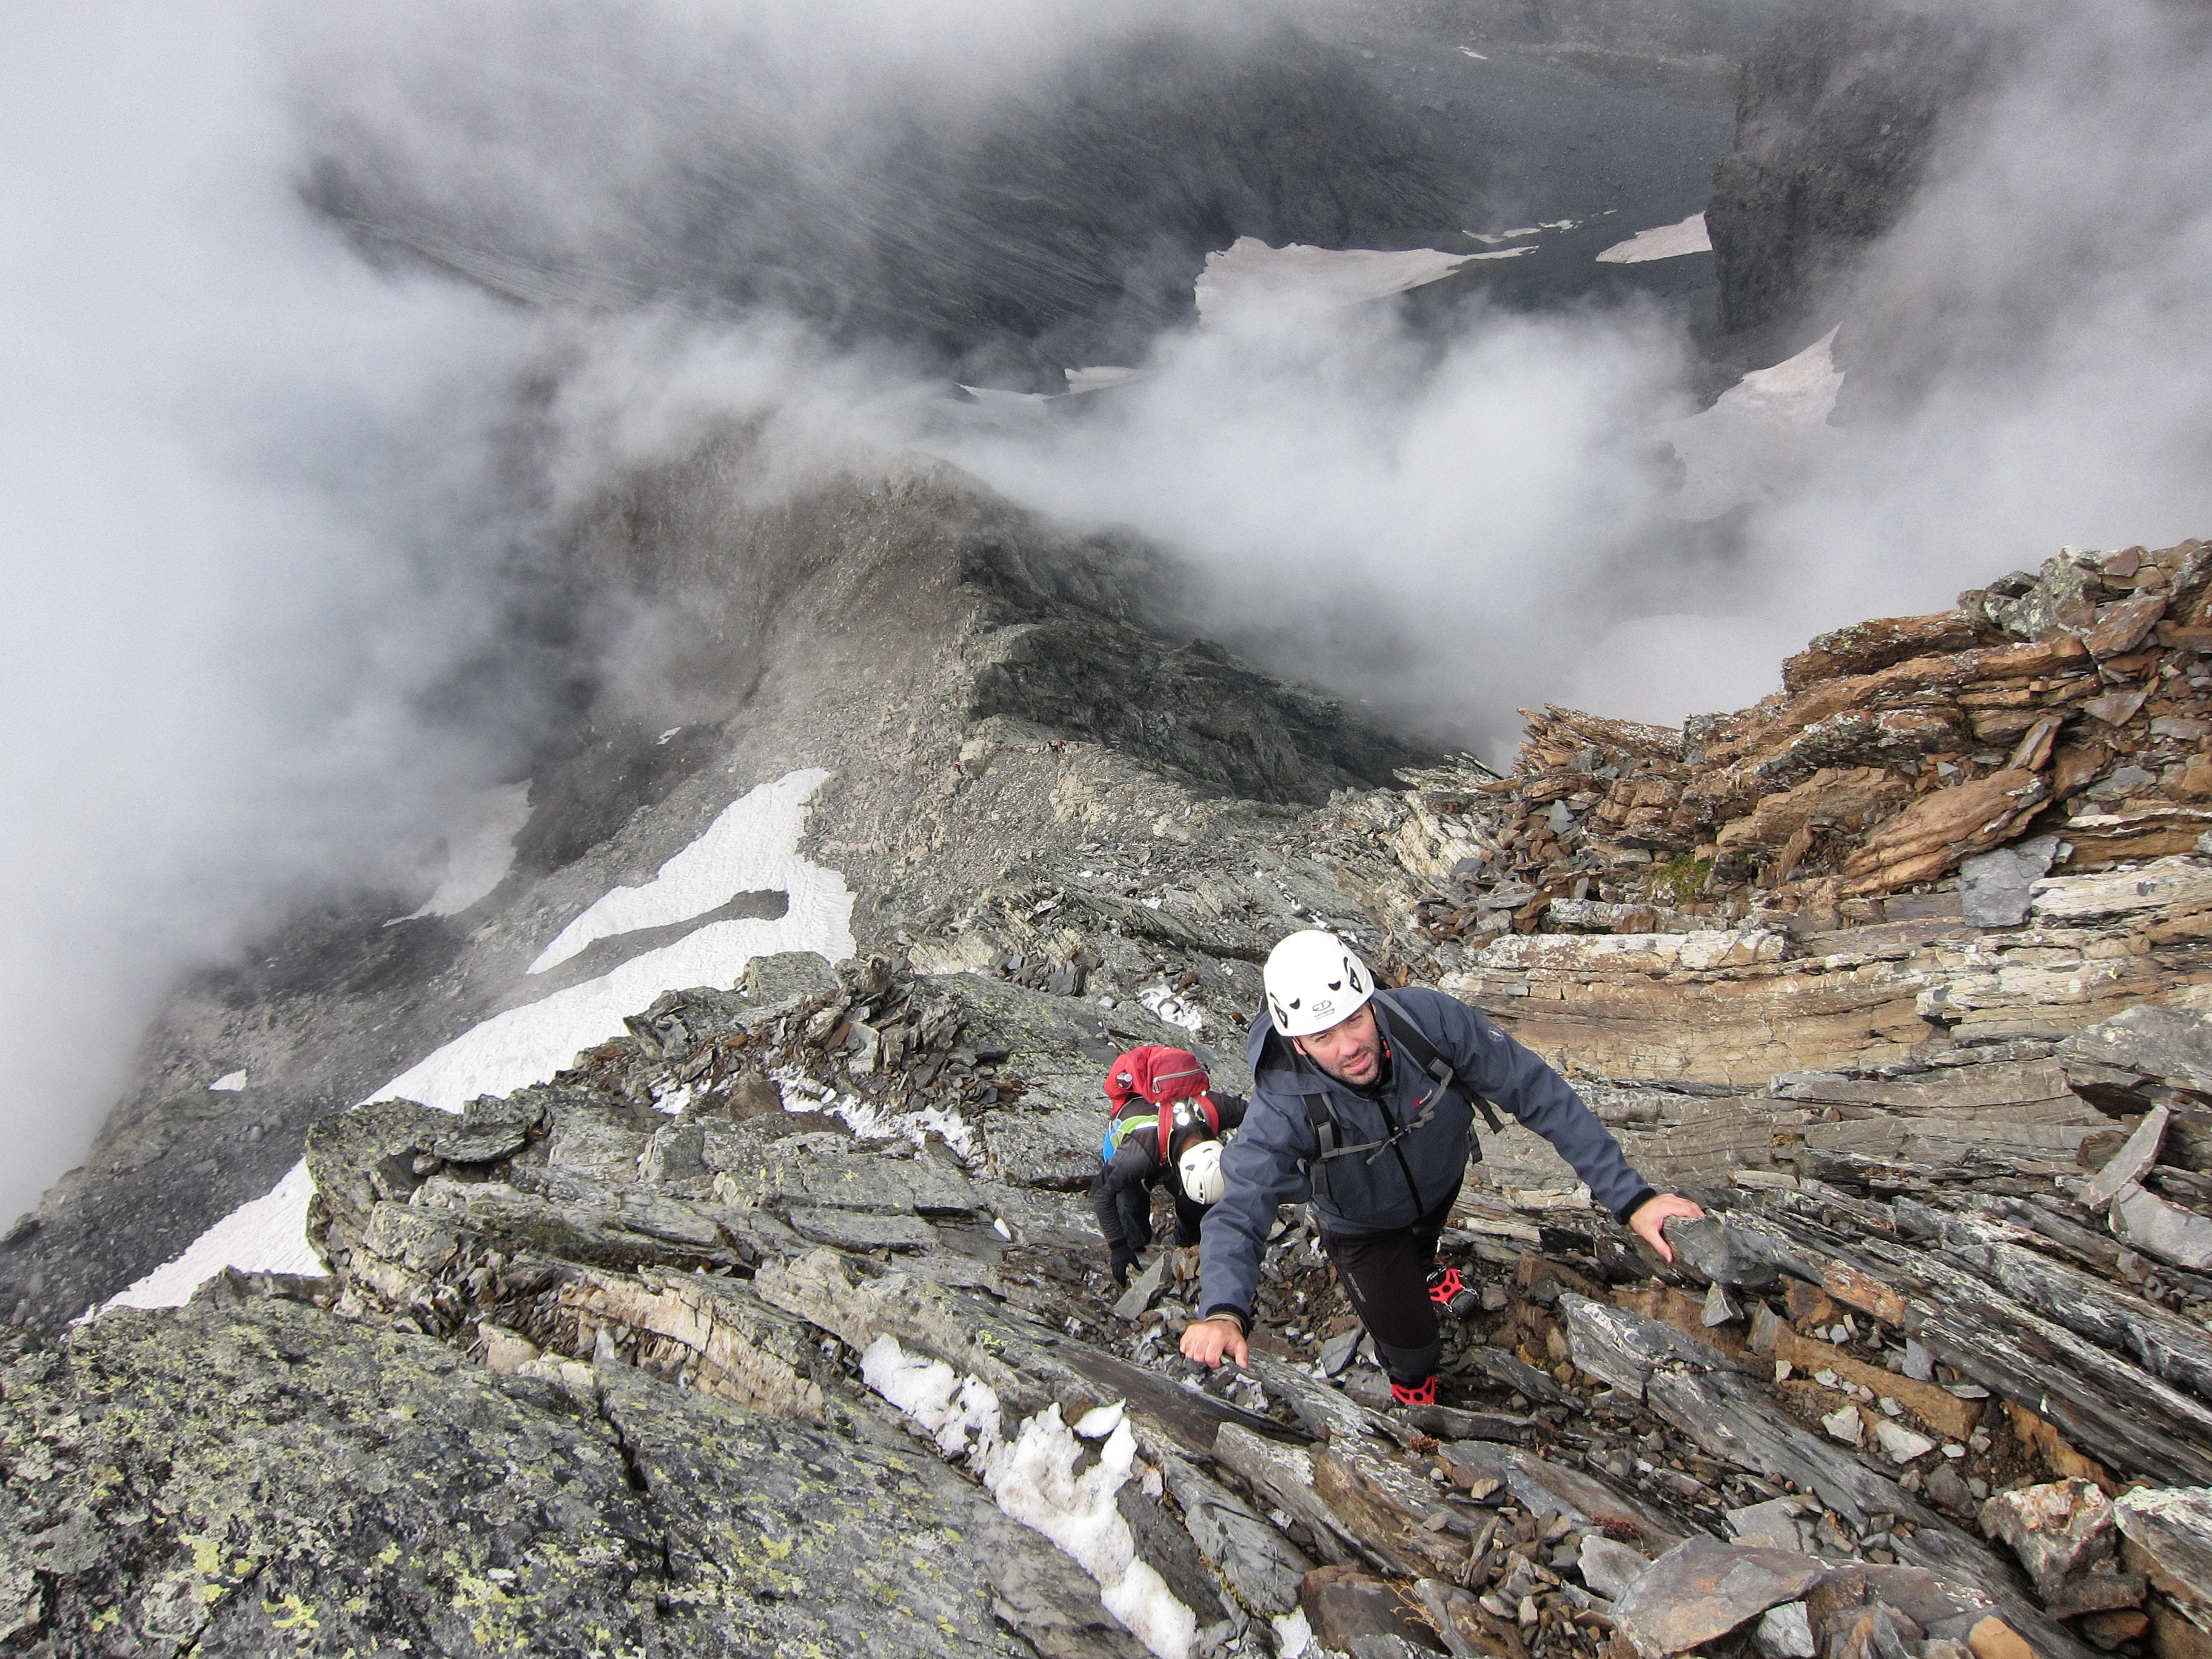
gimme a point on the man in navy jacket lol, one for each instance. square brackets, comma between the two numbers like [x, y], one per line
[1363, 1104]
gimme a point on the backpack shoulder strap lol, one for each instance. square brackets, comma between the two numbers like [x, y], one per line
[1401, 1024]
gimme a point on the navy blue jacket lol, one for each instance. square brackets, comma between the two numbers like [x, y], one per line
[1267, 1164]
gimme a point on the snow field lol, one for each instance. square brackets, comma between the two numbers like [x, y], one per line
[529, 1044]
[1033, 1480]
[752, 846]
[267, 1234]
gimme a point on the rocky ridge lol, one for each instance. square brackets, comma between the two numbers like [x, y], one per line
[760, 1328]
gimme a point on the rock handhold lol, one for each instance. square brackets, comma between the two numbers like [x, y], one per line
[1343, 1604]
[1609, 1568]
[2055, 1529]
[2169, 1536]
[1143, 1289]
[2164, 1044]
[1996, 888]
[2163, 1230]
[1703, 1588]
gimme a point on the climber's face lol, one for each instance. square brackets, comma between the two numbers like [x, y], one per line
[1351, 1051]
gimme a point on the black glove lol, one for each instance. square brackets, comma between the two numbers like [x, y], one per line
[1124, 1258]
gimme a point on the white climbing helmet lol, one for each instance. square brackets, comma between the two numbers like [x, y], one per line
[1314, 981]
[1199, 1170]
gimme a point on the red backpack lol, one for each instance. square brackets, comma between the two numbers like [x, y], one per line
[1154, 1076]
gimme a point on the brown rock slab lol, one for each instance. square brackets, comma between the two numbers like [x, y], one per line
[1703, 1588]
[1342, 1604]
[1993, 1638]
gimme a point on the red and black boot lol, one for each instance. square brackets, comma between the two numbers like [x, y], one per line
[1423, 1393]
[1452, 1294]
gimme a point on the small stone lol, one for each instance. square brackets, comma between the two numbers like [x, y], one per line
[1919, 1364]
[1719, 1310]
[1143, 1289]
[1609, 1568]
[505, 1351]
[2129, 1164]
[1785, 1632]
[1845, 1424]
[1900, 1444]
[1336, 1352]
[1993, 1638]
[2108, 1630]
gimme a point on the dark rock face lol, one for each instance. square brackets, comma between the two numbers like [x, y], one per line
[1836, 114]
[1059, 225]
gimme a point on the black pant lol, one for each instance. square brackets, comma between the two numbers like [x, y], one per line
[1134, 1206]
[1386, 1277]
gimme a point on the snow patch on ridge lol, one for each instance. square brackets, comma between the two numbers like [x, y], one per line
[267, 1234]
[481, 851]
[1758, 435]
[1661, 242]
[870, 1121]
[1253, 279]
[229, 1083]
[527, 1045]
[751, 848]
[1033, 1480]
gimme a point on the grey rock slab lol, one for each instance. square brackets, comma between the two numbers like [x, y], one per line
[1056, 1150]
[1164, 1546]
[591, 1146]
[1143, 1289]
[2171, 1045]
[2163, 1230]
[1784, 1632]
[1540, 1485]
[672, 1525]
[825, 1170]
[2132, 1162]
[786, 976]
[1996, 888]
[486, 1145]
[1624, 1348]
[1703, 1588]
[857, 1229]
[1780, 1523]
[2170, 1528]
[1263, 1567]
[1609, 1568]
[1282, 1476]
